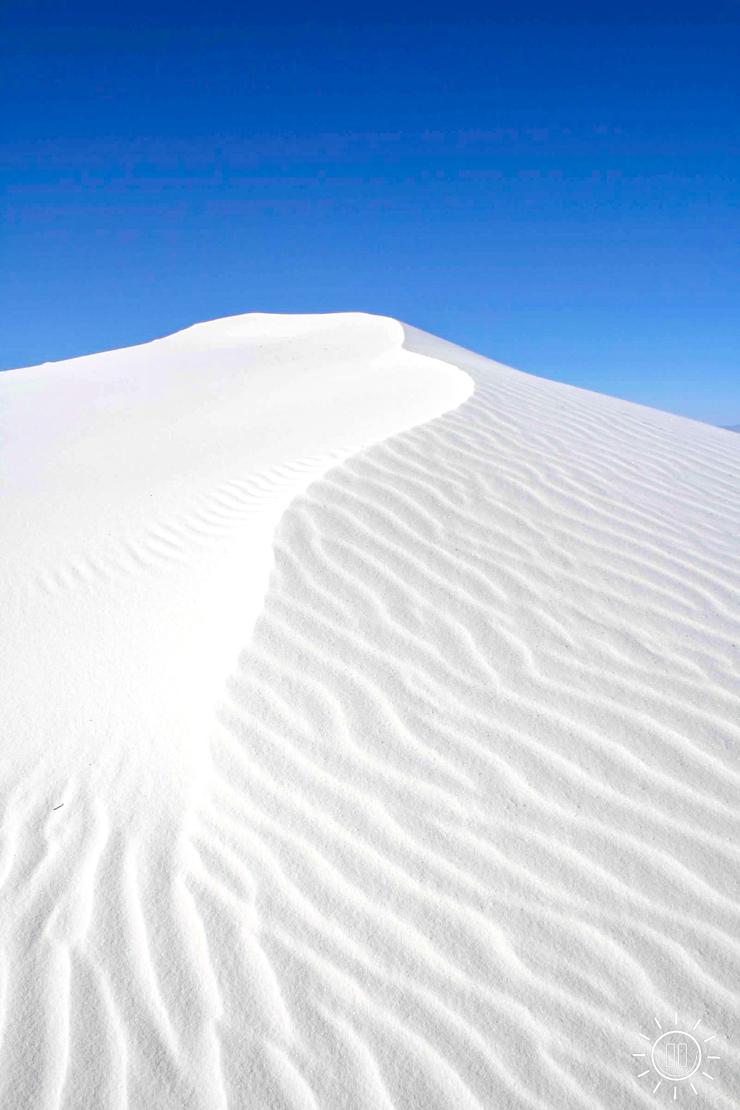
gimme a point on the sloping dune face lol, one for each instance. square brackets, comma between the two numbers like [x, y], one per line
[141, 490]
[390, 700]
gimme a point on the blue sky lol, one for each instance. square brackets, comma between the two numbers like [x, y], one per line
[555, 188]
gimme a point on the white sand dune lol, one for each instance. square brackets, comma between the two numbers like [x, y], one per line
[370, 731]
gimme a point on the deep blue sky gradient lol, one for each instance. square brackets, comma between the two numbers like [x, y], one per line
[554, 185]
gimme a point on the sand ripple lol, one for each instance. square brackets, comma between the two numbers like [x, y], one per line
[470, 821]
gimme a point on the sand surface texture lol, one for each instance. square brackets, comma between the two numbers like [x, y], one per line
[370, 732]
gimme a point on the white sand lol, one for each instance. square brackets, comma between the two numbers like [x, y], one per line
[390, 701]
